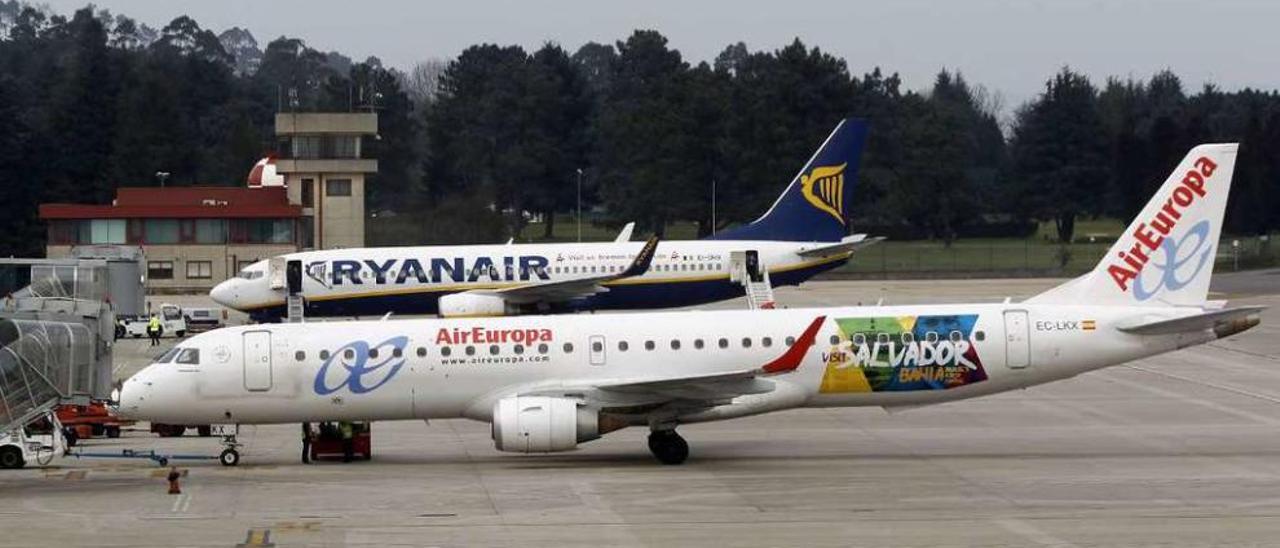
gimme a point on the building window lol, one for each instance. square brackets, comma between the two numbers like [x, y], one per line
[308, 193]
[104, 231]
[160, 270]
[64, 232]
[305, 146]
[199, 270]
[306, 232]
[342, 146]
[211, 231]
[161, 231]
[261, 231]
[337, 187]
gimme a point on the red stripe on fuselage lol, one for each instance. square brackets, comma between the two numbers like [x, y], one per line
[794, 355]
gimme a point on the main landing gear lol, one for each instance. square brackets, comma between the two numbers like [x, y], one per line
[668, 447]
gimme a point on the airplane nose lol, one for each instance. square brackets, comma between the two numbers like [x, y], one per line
[133, 397]
[225, 293]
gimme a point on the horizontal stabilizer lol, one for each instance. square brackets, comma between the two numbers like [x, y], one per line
[1223, 322]
[845, 245]
[625, 234]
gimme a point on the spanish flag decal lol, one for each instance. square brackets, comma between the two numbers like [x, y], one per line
[1088, 325]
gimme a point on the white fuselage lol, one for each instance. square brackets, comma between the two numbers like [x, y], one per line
[436, 368]
[409, 280]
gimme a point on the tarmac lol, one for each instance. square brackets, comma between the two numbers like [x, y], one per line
[1179, 450]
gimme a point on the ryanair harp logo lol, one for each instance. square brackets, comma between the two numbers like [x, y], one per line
[823, 187]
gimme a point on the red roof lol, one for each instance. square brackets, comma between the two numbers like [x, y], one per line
[183, 203]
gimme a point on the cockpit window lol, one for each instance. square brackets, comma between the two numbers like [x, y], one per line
[189, 356]
[168, 356]
[252, 274]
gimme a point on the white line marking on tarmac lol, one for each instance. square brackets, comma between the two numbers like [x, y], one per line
[1225, 387]
[1031, 533]
[1201, 402]
[181, 503]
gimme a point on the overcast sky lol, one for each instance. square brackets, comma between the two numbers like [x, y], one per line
[1009, 46]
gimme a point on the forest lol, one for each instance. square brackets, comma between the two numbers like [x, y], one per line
[473, 147]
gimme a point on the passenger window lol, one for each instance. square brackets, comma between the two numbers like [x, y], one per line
[675, 344]
[746, 342]
[908, 338]
[188, 356]
[955, 336]
[882, 338]
[597, 346]
[471, 350]
[622, 345]
[931, 336]
[349, 354]
[835, 339]
[445, 351]
[299, 355]
[397, 353]
[568, 348]
[979, 335]
[519, 349]
[422, 352]
[724, 343]
[542, 348]
[859, 339]
[790, 341]
[373, 352]
[766, 342]
[648, 345]
[493, 349]
[697, 343]
[324, 354]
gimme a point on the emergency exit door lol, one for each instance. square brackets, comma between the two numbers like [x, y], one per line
[257, 360]
[1017, 339]
[597, 349]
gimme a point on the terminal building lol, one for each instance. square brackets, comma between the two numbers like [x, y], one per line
[309, 195]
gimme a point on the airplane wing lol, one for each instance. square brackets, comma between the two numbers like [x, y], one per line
[705, 390]
[846, 244]
[625, 235]
[1227, 321]
[563, 290]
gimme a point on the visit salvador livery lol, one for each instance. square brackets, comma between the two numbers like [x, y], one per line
[805, 232]
[549, 383]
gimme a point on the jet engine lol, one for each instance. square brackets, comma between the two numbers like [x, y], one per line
[461, 305]
[538, 424]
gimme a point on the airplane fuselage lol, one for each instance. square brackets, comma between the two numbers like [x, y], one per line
[442, 368]
[410, 280]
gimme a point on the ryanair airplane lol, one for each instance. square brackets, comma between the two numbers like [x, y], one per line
[805, 232]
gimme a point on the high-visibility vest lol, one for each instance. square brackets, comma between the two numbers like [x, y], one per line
[154, 325]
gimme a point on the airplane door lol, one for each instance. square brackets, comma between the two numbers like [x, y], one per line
[597, 349]
[257, 360]
[1017, 339]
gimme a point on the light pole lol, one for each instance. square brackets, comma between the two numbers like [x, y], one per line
[713, 206]
[162, 175]
[579, 205]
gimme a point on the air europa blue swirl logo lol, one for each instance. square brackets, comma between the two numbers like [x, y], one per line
[358, 361]
[1182, 262]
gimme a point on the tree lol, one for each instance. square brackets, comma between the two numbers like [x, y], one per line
[1059, 153]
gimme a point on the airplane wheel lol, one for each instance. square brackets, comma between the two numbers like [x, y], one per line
[229, 457]
[668, 447]
[113, 431]
[11, 457]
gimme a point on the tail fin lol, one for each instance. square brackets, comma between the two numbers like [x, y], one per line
[1165, 257]
[814, 206]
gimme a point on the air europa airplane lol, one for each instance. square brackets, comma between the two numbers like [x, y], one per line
[805, 232]
[549, 383]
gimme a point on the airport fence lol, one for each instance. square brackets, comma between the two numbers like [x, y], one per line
[1027, 257]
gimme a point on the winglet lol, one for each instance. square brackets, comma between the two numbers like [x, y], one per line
[643, 259]
[790, 360]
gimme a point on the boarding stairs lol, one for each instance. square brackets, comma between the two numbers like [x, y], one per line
[55, 340]
[745, 268]
[296, 308]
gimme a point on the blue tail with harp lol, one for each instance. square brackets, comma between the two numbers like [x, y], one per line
[815, 206]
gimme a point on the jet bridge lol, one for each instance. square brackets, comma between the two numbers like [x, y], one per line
[56, 333]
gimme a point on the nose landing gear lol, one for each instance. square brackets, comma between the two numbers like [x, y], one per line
[230, 456]
[668, 447]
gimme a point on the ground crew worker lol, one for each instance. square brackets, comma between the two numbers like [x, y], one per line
[154, 327]
[174, 474]
[348, 432]
[306, 443]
